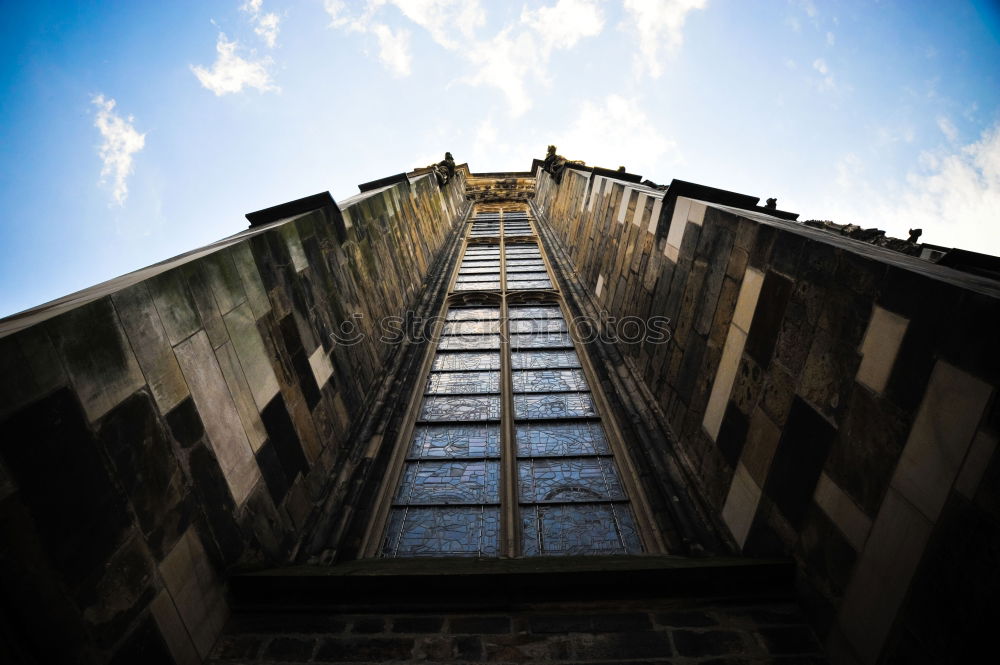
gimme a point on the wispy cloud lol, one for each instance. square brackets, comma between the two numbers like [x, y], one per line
[660, 28]
[827, 82]
[230, 73]
[831, 39]
[947, 127]
[617, 132]
[266, 25]
[953, 196]
[121, 143]
[508, 60]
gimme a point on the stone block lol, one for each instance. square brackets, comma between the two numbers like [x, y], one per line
[290, 236]
[204, 302]
[253, 356]
[290, 649]
[225, 280]
[196, 591]
[284, 439]
[939, 440]
[174, 633]
[767, 317]
[79, 512]
[134, 440]
[798, 461]
[725, 375]
[97, 356]
[615, 646]
[879, 348]
[175, 304]
[417, 624]
[145, 645]
[151, 346]
[242, 395]
[976, 462]
[828, 374]
[762, 441]
[482, 625]
[741, 504]
[319, 361]
[843, 512]
[708, 643]
[732, 434]
[882, 576]
[871, 437]
[746, 302]
[362, 649]
[747, 386]
[185, 424]
[29, 369]
[246, 266]
[219, 415]
[116, 597]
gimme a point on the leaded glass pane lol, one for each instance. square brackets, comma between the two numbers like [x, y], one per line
[535, 312]
[478, 286]
[471, 327]
[527, 275]
[539, 340]
[533, 284]
[463, 382]
[556, 439]
[537, 325]
[468, 342]
[474, 278]
[451, 531]
[452, 481]
[434, 441]
[549, 380]
[553, 405]
[476, 270]
[466, 361]
[567, 480]
[579, 529]
[544, 359]
[464, 407]
[527, 267]
[473, 314]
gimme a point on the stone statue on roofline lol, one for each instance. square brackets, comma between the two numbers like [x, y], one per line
[554, 164]
[444, 170]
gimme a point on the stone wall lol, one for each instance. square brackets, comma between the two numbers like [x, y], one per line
[666, 632]
[833, 401]
[160, 428]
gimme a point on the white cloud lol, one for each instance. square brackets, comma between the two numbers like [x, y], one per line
[121, 142]
[265, 25]
[827, 83]
[819, 64]
[831, 39]
[562, 25]
[954, 197]
[617, 132]
[393, 48]
[230, 73]
[659, 24]
[449, 22]
[947, 127]
[507, 61]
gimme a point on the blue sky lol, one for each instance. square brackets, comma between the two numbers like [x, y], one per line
[132, 132]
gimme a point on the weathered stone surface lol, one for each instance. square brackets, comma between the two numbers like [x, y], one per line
[253, 357]
[225, 430]
[97, 356]
[243, 397]
[798, 461]
[78, 511]
[142, 459]
[762, 335]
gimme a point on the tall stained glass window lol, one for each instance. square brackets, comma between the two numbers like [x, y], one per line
[508, 453]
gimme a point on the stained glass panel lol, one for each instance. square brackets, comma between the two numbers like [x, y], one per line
[568, 438]
[544, 359]
[535, 312]
[539, 340]
[537, 325]
[466, 361]
[435, 441]
[553, 405]
[452, 531]
[549, 380]
[471, 327]
[579, 529]
[478, 286]
[457, 383]
[527, 275]
[468, 342]
[568, 479]
[473, 313]
[533, 284]
[465, 407]
[451, 481]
